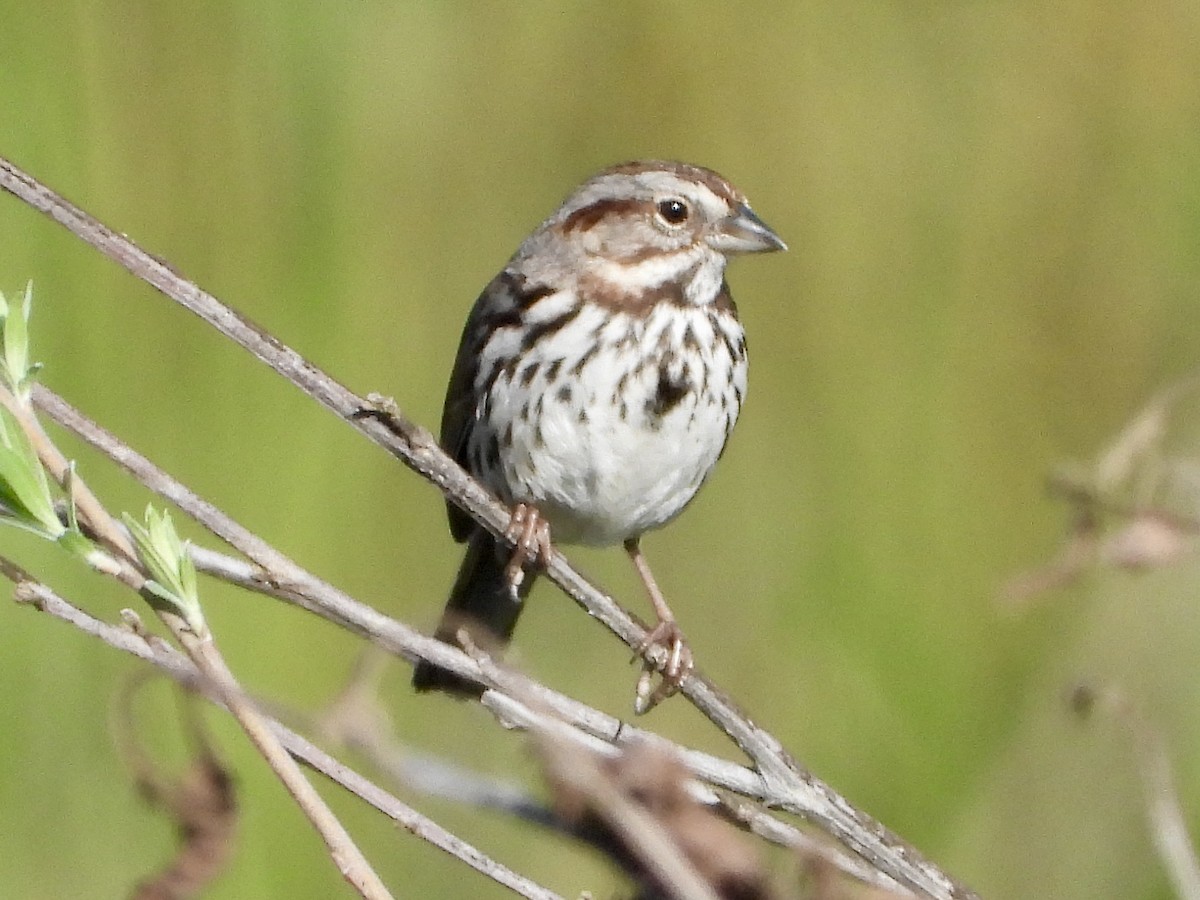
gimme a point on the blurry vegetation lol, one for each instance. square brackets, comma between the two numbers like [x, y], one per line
[993, 211]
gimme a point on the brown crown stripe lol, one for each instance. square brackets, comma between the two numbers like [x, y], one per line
[707, 177]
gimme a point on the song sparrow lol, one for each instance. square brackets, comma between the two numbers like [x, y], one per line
[598, 378]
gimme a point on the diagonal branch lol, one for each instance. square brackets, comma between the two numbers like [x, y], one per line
[177, 666]
[204, 654]
[274, 574]
[803, 792]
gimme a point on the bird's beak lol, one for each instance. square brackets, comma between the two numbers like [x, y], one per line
[744, 232]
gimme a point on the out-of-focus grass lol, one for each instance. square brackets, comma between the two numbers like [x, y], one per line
[993, 214]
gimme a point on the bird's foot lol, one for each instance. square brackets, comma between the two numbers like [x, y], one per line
[529, 534]
[666, 637]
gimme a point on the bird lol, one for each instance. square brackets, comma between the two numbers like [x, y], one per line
[596, 384]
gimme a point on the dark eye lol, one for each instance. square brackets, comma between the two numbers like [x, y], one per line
[673, 211]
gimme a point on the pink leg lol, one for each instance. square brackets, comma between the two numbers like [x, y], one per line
[666, 633]
[530, 536]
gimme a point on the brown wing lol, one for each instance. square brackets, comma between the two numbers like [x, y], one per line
[499, 306]
[459, 408]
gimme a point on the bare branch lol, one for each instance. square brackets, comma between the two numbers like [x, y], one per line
[284, 579]
[310, 593]
[201, 801]
[1164, 811]
[795, 789]
[181, 669]
[203, 651]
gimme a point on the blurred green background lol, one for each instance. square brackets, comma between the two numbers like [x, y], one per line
[993, 211]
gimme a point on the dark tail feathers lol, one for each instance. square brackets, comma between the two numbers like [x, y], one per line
[482, 602]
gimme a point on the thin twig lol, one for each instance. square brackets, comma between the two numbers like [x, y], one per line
[803, 792]
[203, 652]
[1168, 823]
[515, 713]
[176, 665]
[1164, 811]
[653, 846]
[200, 801]
[282, 578]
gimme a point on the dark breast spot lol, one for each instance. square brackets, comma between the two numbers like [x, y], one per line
[529, 373]
[668, 394]
[577, 369]
[536, 332]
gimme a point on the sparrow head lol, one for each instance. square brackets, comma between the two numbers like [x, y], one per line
[637, 210]
[641, 231]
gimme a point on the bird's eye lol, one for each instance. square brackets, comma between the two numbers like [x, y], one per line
[673, 211]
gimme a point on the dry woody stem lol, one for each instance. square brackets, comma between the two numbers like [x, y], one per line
[775, 778]
[207, 657]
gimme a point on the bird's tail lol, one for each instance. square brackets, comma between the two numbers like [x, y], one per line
[484, 603]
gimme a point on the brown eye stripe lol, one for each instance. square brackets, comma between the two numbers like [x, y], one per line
[585, 218]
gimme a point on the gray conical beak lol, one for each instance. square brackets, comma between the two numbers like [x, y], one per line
[744, 232]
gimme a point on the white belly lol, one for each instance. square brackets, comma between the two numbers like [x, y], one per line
[608, 450]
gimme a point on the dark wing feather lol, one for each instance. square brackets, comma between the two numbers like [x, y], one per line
[459, 410]
[499, 306]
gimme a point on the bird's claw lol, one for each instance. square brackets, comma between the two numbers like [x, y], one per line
[529, 534]
[672, 669]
